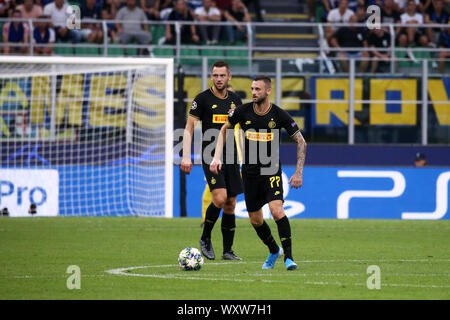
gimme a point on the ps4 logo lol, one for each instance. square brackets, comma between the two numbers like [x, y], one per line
[29, 191]
[399, 186]
[36, 195]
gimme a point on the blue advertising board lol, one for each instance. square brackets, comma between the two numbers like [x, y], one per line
[346, 193]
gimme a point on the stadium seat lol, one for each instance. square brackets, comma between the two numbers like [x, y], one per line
[158, 32]
[190, 57]
[63, 51]
[421, 55]
[213, 54]
[163, 53]
[115, 51]
[123, 51]
[86, 51]
[130, 51]
[237, 57]
[402, 63]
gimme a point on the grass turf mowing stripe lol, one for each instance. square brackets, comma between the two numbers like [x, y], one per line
[333, 256]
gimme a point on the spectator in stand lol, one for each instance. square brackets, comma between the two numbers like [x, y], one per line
[311, 4]
[411, 17]
[188, 33]
[420, 160]
[425, 6]
[57, 11]
[43, 3]
[360, 13]
[380, 42]
[436, 16]
[151, 9]
[208, 13]
[444, 43]
[236, 13]
[389, 14]
[30, 10]
[327, 5]
[351, 37]
[402, 43]
[330, 5]
[194, 4]
[338, 15]
[256, 7]
[164, 13]
[353, 4]
[223, 5]
[92, 30]
[15, 32]
[5, 7]
[132, 27]
[43, 34]
[109, 11]
[165, 4]
[424, 42]
[401, 5]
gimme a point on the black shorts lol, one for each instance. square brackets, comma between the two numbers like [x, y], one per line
[259, 190]
[229, 177]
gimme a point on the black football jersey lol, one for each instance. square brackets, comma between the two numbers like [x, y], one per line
[261, 131]
[212, 111]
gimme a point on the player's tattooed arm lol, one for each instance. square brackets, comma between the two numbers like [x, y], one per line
[297, 178]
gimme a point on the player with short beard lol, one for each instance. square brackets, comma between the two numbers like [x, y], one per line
[211, 107]
[261, 121]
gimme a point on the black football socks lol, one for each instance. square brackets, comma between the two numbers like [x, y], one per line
[211, 216]
[284, 231]
[228, 227]
[265, 235]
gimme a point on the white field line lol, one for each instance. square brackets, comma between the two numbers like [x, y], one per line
[220, 277]
[409, 285]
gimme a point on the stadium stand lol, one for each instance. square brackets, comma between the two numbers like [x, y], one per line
[293, 30]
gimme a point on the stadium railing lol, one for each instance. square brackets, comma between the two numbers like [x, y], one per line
[307, 66]
[240, 55]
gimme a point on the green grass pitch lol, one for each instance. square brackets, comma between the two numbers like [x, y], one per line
[136, 258]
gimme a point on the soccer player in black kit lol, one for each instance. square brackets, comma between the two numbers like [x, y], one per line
[211, 107]
[261, 122]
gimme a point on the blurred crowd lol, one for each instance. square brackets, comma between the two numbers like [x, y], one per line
[56, 21]
[377, 41]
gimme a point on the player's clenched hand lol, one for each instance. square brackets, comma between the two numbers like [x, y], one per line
[215, 166]
[296, 180]
[186, 165]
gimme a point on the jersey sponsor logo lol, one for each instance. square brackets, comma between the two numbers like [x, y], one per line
[259, 136]
[219, 118]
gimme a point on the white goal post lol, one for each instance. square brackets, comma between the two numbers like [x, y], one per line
[86, 136]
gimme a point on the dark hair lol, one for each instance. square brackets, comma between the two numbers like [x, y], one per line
[420, 156]
[220, 64]
[266, 79]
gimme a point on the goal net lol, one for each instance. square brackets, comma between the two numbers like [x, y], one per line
[86, 136]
